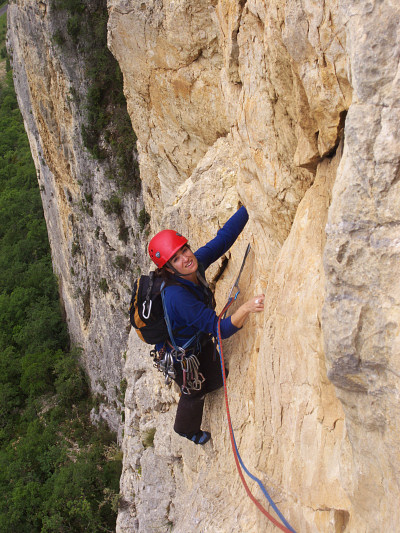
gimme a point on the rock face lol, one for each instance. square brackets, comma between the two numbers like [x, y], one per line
[292, 109]
[361, 312]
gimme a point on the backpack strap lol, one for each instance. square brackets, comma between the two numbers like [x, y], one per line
[169, 327]
[148, 302]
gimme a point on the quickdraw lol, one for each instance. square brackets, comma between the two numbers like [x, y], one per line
[164, 362]
[192, 378]
[167, 367]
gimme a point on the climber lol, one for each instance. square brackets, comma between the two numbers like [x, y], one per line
[188, 304]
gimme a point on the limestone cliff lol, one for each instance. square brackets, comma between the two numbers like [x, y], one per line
[91, 227]
[291, 108]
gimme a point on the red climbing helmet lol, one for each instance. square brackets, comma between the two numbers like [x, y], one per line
[164, 245]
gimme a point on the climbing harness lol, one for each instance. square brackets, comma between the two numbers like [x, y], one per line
[164, 360]
[238, 460]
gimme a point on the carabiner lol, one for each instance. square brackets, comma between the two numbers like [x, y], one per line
[146, 316]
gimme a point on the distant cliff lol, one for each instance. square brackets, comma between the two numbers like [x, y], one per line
[293, 110]
[70, 92]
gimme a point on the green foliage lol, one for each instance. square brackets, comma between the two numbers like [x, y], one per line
[148, 437]
[122, 390]
[3, 31]
[113, 205]
[89, 198]
[143, 219]
[74, 27]
[53, 483]
[30, 319]
[75, 248]
[58, 38]
[86, 203]
[103, 285]
[55, 470]
[122, 262]
[123, 231]
[70, 381]
[72, 6]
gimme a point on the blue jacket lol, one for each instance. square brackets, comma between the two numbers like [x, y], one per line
[189, 314]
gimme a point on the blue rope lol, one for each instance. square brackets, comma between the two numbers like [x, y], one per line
[254, 478]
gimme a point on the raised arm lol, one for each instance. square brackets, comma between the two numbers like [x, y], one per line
[224, 239]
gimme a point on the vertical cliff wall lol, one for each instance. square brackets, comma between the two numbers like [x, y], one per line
[92, 218]
[290, 108]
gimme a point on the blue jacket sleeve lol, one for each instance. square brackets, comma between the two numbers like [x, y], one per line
[186, 311]
[224, 239]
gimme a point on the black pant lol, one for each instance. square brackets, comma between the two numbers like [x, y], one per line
[190, 407]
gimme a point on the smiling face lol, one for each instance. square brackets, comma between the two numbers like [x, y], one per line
[185, 262]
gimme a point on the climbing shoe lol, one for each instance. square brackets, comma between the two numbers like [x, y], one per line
[201, 437]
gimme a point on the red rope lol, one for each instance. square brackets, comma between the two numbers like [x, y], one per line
[254, 500]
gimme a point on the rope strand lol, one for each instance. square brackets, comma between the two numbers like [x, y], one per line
[287, 528]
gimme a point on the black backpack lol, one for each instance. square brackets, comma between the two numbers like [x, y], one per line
[146, 308]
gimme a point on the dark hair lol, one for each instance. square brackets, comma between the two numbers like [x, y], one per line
[164, 274]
